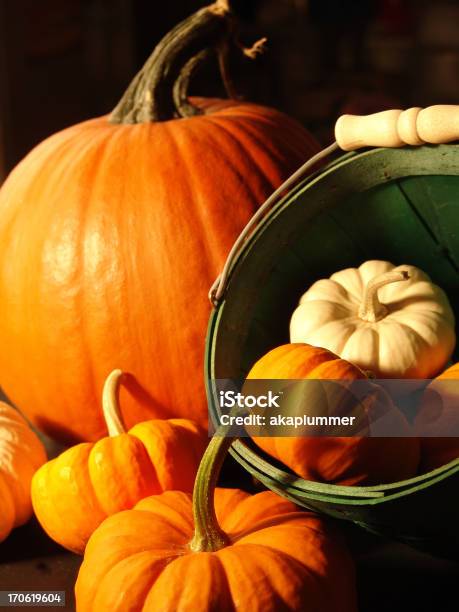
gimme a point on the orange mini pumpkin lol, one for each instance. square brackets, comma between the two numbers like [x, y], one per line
[257, 553]
[439, 414]
[21, 453]
[75, 492]
[341, 460]
[114, 230]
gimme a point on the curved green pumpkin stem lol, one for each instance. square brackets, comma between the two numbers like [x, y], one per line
[159, 92]
[208, 535]
[110, 404]
[182, 84]
[149, 97]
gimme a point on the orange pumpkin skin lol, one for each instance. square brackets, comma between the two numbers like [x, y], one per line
[437, 451]
[21, 453]
[110, 237]
[75, 492]
[278, 559]
[340, 460]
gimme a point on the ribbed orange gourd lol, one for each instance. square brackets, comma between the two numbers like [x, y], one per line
[340, 460]
[75, 492]
[438, 414]
[113, 230]
[256, 553]
[21, 453]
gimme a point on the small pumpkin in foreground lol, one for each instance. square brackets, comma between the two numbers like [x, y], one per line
[158, 191]
[75, 492]
[21, 454]
[256, 553]
[354, 460]
[389, 319]
[438, 414]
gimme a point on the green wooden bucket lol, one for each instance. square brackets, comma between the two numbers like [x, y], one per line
[401, 205]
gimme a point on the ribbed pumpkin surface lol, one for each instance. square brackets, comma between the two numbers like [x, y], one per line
[110, 236]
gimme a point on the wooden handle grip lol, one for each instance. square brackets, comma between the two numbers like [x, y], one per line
[397, 128]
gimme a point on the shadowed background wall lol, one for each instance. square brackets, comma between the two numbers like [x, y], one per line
[62, 61]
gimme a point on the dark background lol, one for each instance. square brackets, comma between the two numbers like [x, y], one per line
[62, 61]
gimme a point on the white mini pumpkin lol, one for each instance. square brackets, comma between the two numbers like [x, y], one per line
[391, 320]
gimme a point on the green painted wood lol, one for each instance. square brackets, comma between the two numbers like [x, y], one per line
[292, 272]
[391, 229]
[435, 201]
[396, 204]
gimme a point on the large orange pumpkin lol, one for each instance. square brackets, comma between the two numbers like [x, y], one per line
[112, 231]
[352, 460]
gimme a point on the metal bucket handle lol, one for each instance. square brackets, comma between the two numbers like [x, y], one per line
[415, 126]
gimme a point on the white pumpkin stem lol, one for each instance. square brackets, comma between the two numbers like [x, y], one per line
[371, 309]
[110, 404]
